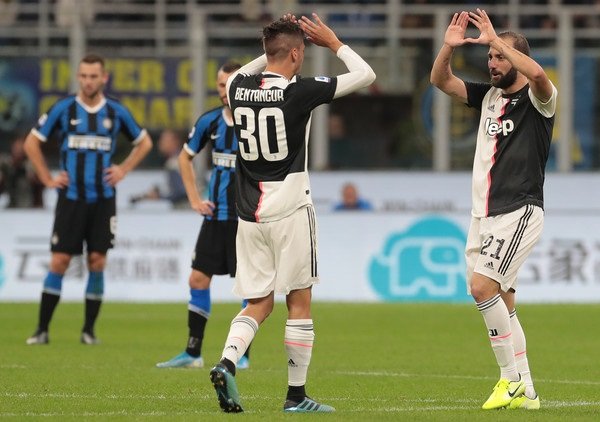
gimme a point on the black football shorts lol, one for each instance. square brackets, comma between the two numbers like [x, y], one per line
[215, 248]
[78, 221]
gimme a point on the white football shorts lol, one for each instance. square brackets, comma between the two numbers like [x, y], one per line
[497, 246]
[278, 256]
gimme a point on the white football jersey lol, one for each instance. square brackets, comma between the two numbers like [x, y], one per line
[513, 143]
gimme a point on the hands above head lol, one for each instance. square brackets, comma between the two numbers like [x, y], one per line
[319, 33]
[482, 21]
[289, 17]
[455, 34]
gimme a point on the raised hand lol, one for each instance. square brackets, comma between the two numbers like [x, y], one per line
[319, 33]
[455, 34]
[482, 21]
[289, 17]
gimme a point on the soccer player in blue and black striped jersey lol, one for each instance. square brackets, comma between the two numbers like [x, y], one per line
[215, 247]
[87, 126]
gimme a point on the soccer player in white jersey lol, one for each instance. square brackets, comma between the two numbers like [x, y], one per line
[517, 115]
[276, 238]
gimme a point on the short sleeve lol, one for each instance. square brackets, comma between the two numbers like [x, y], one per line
[475, 93]
[129, 126]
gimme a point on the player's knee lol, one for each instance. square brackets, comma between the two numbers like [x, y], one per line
[96, 261]
[483, 288]
[199, 280]
[59, 263]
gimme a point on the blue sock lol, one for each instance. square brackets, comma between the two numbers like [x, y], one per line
[50, 297]
[95, 285]
[200, 302]
[53, 283]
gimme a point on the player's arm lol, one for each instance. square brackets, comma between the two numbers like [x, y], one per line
[360, 75]
[33, 150]
[252, 68]
[115, 173]
[188, 176]
[441, 72]
[540, 84]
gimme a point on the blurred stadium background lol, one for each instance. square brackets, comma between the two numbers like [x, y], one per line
[406, 147]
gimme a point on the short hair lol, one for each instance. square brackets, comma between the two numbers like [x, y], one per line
[93, 58]
[519, 41]
[230, 67]
[280, 36]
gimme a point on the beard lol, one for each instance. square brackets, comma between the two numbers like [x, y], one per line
[506, 80]
[92, 93]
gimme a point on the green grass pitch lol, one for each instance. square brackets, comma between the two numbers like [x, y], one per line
[371, 361]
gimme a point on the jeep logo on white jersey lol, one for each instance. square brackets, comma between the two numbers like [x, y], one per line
[492, 128]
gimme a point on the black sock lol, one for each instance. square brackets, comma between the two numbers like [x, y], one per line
[196, 325]
[92, 309]
[296, 393]
[229, 365]
[47, 307]
[194, 345]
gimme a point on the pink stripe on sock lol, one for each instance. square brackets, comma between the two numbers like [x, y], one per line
[520, 353]
[500, 337]
[297, 344]
[239, 338]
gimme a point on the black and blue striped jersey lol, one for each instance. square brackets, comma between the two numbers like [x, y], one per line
[214, 127]
[88, 139]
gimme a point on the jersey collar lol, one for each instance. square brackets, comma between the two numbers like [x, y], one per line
[228, 121]
[89, 109]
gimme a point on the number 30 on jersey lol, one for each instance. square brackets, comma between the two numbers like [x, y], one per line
[249, 147]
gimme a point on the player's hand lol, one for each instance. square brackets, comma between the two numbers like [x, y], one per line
[204, 207]
[455, 34]
[61, 180]
[290, 17]
[113, 175]
[482, 21]
[318, 33]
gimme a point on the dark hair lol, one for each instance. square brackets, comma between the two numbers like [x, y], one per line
[280, 36]
[93, 58]
[230, 67]
[519, 41]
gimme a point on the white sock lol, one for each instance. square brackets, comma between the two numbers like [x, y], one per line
[497, 321]
[299, 338]
[520, 346]
[242, 331]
